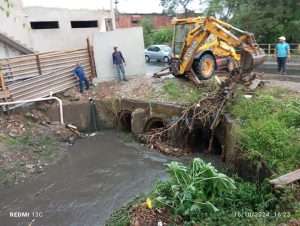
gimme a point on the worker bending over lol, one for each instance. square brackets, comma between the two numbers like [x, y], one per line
[79, 73]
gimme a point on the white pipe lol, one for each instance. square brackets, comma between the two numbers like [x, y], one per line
[61, 112]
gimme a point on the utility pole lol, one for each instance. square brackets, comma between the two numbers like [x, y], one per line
[113, 16]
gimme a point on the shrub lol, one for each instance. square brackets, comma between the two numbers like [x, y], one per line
[270, 126]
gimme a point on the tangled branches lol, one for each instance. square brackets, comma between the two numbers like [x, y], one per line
[207, 111]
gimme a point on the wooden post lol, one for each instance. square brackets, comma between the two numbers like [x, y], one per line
[38, 63]
[4, 94]
[269, 49]
[91, 59]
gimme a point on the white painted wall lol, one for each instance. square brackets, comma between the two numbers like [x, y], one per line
[130, 42]
[65, 37]
[6, 51]
[15, 25]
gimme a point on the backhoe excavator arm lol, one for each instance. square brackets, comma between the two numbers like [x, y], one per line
[251, 54]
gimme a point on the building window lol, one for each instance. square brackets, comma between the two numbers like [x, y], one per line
[44, 24]
[135, 22]
[84, 23]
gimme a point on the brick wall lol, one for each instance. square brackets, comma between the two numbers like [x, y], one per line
[132, 20]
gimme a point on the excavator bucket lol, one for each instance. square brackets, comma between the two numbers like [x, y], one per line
[251, 59]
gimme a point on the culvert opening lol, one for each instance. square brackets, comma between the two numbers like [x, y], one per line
[125, 120]
[198, 141]
[154, 123]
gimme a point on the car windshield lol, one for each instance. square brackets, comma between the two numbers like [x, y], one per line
[166, 48]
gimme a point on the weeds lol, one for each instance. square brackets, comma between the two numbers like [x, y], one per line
[41, 146]
[201, 195]
[269, 126]
[174, 91]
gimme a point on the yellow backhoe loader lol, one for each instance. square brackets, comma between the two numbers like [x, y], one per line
[202, 45]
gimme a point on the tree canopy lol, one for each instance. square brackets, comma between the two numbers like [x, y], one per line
[170, 6]
[268, 19]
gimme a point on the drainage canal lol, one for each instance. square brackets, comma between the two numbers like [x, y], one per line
[154, 123]
[125, 120]
[198, 141]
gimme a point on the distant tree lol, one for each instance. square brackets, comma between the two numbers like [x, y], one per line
[152, 36]
[148, 27]
[268, 19]
[172, 5]
[162, 36]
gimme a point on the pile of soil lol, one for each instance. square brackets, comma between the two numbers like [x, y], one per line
[143, 216]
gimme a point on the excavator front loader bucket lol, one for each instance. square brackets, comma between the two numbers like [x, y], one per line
[251, 59]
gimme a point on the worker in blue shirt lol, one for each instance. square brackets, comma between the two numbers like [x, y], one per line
[119, 62]
[282, 53]
[79, 73]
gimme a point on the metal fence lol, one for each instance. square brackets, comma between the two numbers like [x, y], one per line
[270, 51]
[36, 75]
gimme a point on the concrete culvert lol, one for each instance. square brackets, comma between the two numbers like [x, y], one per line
[198, 141]
[153, 123]
[125, 120]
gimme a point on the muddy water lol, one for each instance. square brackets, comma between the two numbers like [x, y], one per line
[98, 174]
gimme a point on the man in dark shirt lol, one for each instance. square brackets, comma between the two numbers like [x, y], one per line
[79, 72]
[119, 62]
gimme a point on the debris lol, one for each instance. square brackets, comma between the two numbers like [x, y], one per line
[286, 179]
[254, 84]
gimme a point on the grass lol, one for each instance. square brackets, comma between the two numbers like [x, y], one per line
[26, 150]
[121, 217]
[269, 127]
[43, 147]
[183, 92]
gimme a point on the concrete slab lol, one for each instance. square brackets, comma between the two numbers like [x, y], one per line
[130, 42]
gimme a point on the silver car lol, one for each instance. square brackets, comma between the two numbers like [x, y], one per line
[159, 53]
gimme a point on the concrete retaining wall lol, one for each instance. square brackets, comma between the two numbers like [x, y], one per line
[130, 41]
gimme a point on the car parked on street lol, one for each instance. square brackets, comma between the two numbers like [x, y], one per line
[159, 53]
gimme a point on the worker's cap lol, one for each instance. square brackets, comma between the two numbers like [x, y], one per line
[282, 38]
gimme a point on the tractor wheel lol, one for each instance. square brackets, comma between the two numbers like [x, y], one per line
[205, 67]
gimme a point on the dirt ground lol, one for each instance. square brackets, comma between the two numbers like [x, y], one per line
[28, 143]
[292, 86]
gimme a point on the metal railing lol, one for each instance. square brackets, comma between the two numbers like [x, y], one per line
[269, 49]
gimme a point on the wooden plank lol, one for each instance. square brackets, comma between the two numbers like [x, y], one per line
[91, 59]
[38, 64]
[286, 179]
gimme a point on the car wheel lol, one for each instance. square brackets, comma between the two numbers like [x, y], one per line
[166, 59]
[147, 58]
[205, 67]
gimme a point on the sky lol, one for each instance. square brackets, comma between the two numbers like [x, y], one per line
[124, 6]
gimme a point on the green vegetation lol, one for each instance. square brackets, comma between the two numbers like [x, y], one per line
[121, 217]
[170, 6]
[267, 19]
[269, 126]
[192, 191]
[182, 92]
[42, 147]
[152, 36]
[29, 153]
[201, 195]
